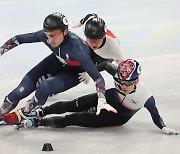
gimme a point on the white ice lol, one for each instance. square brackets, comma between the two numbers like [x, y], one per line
[149, 32]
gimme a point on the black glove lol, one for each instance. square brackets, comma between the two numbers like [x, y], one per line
[79, 22]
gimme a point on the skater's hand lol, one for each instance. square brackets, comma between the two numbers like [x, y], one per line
[9, 45]
[84, 77]
[169, 131]
[1, 51]
[79, 22]
[102, 104]
[76, 23]
[6, 47]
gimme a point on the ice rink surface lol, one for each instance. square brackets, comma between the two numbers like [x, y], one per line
[149, 31]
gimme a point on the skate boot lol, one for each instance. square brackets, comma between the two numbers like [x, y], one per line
[37, 112]
[14, 117]
[28, 123]
[7, 106]
[19, 115]
[30, 105]
[31, 122]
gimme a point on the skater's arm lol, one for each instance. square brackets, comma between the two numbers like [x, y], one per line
[20, 39]
[109, 67]
[150, 105]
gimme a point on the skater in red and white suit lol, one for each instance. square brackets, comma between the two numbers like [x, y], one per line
[104, 45]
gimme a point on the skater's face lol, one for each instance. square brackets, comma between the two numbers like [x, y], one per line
[128, 86]
[94, 43]
[55, 38]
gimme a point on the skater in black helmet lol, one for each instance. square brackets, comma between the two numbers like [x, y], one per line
[128, 97]
[104, 45]
[70, 56]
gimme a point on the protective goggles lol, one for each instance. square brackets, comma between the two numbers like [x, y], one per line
[92, 41]
[52, 34]
[127, 83]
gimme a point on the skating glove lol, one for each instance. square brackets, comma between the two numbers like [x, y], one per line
[9, 45]
[79, 22]
[84, 77]
[169, 131]
[1, 51]
[76, 23]
[102, 104]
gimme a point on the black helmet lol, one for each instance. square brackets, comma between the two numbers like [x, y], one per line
[95, 28]
[55, 21]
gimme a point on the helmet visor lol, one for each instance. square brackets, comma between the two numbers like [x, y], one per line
[92, 41]
[127, 83]
[53, 34]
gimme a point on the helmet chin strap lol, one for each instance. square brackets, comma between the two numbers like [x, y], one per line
[104, 41]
